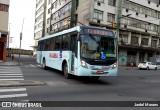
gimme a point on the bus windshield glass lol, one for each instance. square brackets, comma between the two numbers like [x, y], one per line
[98, 47]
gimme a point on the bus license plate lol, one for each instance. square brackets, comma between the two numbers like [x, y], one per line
[100, 72]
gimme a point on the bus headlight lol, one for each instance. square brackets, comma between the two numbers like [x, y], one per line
[114, 65]
[83, 63]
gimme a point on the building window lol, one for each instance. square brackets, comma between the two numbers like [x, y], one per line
[111, 17]
[49, 10]
[4, 7]
[98, 14]
[144, 41]
[48, 20]
[123, 38]
[112, 2]
[154, 43]
[134, 40]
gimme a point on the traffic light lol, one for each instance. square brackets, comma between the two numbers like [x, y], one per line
[67, 22]
[113, 24]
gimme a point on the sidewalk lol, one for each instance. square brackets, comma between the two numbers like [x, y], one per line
[9, 62]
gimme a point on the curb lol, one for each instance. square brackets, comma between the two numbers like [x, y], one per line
[20, 83]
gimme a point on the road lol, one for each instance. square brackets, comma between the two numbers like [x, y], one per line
[130, 85]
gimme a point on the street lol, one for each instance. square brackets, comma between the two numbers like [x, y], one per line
[129, 85]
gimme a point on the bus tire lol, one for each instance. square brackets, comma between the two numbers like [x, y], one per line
[65, 71]
[44, 64]
[156, 68]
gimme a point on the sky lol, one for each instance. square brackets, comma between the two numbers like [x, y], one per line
[19, 10]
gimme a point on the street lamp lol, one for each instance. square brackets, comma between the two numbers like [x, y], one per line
[21, 40]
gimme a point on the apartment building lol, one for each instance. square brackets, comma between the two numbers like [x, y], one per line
[136, 23]
[4, 15]
[40, 17]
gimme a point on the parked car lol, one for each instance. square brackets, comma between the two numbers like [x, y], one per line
[147, 65]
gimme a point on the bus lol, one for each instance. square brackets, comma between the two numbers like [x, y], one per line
[80, 51]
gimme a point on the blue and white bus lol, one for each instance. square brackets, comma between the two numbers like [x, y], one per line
[80, 51]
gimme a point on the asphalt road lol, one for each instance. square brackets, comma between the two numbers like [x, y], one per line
[129, 85]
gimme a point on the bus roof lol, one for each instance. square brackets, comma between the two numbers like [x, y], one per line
[77, 28]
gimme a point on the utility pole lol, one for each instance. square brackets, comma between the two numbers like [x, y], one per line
[21, 40]
[8, 41]
[119, 15]
[73, 9]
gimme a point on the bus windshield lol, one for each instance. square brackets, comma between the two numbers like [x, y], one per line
[98, 47]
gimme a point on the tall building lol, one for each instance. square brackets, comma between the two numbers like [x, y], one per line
[136, 23]
[40, 17]
[4, 15]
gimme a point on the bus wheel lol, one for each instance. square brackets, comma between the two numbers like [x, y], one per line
[156, 68]
[95, 77]
[65, 71]
[44, 64]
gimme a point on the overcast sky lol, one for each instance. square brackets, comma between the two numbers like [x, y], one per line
[20, 9]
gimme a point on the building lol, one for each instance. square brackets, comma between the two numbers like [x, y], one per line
[40, 17]
[136, 23]
[4, 15]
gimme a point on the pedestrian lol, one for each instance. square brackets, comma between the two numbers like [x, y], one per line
[12, 56]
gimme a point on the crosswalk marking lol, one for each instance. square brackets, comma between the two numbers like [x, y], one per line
[12, 79]
[13, 95]
[11, 76]
[39, 65]
[32, 66]
[13, 90]
[12, 73]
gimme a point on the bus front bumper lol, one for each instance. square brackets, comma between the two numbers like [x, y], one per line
[99, 72]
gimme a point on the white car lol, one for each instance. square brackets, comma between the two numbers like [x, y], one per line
[147, 65]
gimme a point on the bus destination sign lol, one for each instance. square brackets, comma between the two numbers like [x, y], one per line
[98, 32]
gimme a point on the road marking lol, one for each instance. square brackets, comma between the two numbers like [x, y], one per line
[39, 65]
[13, 90]
[11, 76]
[11, 79]
[13, 95]
[10, 72]
[32, 65]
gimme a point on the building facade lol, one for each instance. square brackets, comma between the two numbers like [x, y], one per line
[4, 15]
[39, 21]
[137, 23]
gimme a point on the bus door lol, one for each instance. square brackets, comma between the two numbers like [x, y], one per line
[39, 54]
[74, 52]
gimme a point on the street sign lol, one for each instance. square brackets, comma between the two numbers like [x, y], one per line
[123, 58]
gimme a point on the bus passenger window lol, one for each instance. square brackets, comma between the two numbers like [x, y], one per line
[65, 43]
[58, 43]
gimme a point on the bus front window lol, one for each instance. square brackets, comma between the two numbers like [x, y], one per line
[98, 47]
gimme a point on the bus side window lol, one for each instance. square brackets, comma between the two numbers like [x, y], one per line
[58, 43]
[74, 44]
[65, 43]
[52, 45]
